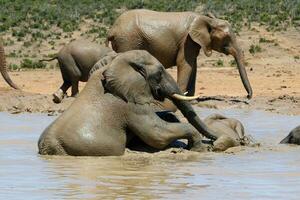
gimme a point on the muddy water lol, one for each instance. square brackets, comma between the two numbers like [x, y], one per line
[269, 172]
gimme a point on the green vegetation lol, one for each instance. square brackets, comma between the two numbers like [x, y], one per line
[255, 49]
[220, 63]
[27, 15]
[30, 64]
[32, 23]
[264, 40]
[275, 14]
[232, 63]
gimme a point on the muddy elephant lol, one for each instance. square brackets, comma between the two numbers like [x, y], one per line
[117, 104]
[230, 132]
[3, 68]
[75, 61]
[293, 137]
[175, 38]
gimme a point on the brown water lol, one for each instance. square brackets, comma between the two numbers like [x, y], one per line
[269, 172]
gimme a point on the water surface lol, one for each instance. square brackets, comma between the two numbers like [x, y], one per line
[269, 172]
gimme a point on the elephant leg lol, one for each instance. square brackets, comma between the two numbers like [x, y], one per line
[75, 89]
[71, 72]
[61, 92]
[158, 133]
[187, 66]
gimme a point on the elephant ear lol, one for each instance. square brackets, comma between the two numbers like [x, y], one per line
[127, 80]
[199, 31]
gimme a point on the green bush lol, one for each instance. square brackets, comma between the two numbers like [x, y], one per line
[13, 67]
[255, 49]
[30, 64]
[275, 14]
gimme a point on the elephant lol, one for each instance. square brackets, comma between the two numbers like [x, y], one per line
[293, 137]
[119, 103]
[175, 39]
[230, 132]
[75, 61]
[3, 69]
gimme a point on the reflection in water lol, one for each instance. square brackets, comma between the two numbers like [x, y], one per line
[269, 172]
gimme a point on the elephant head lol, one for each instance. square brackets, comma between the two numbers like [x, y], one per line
[293, 137]
[216, 34]
[137, 77]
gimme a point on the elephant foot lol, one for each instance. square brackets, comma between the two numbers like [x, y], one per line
[58, 96]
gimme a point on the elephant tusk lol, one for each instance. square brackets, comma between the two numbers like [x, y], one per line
[185, 93]
[185, 98]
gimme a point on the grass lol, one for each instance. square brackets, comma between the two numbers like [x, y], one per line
[30, 64]
[33, 22]
[275, 14]
[254, 48]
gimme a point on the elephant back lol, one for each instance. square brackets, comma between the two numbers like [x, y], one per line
[103, 62]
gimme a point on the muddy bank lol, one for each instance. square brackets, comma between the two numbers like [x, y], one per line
[14, 101]
[282, 104]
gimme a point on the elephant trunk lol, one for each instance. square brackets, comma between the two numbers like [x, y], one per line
[190, 114]
[3, 69]
[170, 89]
[239, 59]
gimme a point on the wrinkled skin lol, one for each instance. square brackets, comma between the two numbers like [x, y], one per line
[75, 61]
[293, 137]
[230, 132]
[117, 104]
[3, 68]
[175, 38]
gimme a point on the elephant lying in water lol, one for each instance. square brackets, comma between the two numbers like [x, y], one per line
[293, 137]
[230, 132]
[118, 103]
[75, 61]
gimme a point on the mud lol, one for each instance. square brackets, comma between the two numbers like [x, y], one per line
[274, 75]
[267, 172]
[14, 101]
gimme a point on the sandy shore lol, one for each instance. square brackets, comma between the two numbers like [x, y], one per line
[274, 74]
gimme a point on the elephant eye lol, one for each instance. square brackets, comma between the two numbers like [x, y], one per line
[159, 76]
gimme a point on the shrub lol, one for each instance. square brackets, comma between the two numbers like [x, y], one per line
[30, 64]
[255, 49]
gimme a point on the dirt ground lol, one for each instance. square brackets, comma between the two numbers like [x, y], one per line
[274, 74]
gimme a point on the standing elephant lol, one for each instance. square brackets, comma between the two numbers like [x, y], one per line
[75, 61]
[293, 137]
[230, 132]
[3, 69]
[175, 38]
[119, 103]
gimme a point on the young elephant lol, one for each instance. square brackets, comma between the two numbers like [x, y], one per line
[230, 132]
[175, 38]
[75, 61]
[117, 104]
[293, 137]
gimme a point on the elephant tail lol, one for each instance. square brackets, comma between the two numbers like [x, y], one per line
[47, 60]
[3, 69]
